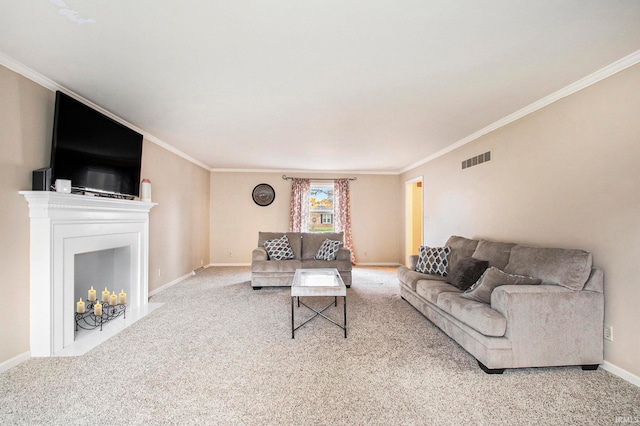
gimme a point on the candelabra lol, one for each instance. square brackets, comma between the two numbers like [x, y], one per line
[88, 320]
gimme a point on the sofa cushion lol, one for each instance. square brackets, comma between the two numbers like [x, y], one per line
[566, 267]
[492, 278]
[433, 260]
[431, 289]
[328, 250]
[294, 240]
[279, 249]
[311, 241]
[460, 248]
[497, 254]
[476, 315]
[341, 265]
[409, 277]
[466, 272]
[270, 266]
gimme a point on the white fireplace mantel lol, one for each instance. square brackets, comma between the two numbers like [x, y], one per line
[62, 226]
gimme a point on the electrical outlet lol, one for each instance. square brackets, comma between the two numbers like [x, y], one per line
[608, 333]
[159, 272]
[201, 262]
[229, 254]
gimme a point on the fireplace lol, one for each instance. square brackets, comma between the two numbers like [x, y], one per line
[107, 268]
[70, 235]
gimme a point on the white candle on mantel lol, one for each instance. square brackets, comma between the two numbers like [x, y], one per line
[113, 299]
[80, 307]
[105, 295]
[97, 309]
[92, 295]
[123, 297]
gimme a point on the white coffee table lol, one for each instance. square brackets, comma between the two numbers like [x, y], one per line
[314, 283]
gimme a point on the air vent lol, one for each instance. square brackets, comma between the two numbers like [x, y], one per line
[478, 159]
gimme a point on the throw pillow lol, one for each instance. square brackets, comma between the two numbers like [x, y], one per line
[279, 249]
[466, 272]
[328, 250]
[433, 260]
[492, 278]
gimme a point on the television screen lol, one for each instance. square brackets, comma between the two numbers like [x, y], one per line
[95, 152]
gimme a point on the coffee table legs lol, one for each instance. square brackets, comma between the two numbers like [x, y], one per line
[320, 313]
[345, 315]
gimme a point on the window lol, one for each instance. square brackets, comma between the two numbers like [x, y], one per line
[321, 207]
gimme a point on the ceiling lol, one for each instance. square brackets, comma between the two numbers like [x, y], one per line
[358, 86]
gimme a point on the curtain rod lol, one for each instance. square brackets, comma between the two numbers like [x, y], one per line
[285, 177]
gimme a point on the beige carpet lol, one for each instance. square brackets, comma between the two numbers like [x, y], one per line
[218, 352]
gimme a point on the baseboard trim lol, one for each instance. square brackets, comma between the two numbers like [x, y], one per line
[357, 264]
[621, 372]
[170, 284]
[230, 264]
[378, 264]
[10, 363]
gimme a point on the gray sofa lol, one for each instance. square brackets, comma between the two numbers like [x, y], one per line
[305, 245]
[557, 323]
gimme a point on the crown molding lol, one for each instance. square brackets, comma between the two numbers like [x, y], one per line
[583, 83]
[298, 171]
[47, 83]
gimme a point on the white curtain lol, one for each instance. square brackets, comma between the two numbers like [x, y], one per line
[299, 216]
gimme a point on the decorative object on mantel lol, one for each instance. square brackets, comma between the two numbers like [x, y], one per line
[263, 195]
[145, 190]
[63, 185]
[94, 314]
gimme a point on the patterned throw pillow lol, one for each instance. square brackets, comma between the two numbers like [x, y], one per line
[434, 260]
[328, 250]
[279, 249]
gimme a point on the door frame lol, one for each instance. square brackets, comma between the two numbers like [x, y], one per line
[414, 211]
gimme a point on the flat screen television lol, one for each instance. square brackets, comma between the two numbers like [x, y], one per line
[98, 154]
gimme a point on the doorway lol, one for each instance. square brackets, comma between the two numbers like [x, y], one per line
[413, 218]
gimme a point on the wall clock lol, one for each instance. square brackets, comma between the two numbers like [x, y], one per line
[263, 195]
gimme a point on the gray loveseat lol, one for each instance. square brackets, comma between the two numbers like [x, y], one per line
[557, 323]
[266, 272]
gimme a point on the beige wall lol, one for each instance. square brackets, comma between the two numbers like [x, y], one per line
[179, 224]
[26, 120]
[179, 229]
[236, 219]
[565, 176]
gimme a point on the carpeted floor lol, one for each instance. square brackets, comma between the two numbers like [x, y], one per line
[218, 352]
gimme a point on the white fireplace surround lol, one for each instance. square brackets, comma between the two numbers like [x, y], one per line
[62, 226]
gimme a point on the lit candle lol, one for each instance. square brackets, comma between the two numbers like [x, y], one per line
[80, 307]
[97, 309]
[113, 299]
[92, 295]
[105, 295]
[123, 297]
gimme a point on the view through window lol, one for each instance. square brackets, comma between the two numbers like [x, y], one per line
[321, 207]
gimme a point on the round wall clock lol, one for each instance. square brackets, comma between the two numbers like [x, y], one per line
[263, 194]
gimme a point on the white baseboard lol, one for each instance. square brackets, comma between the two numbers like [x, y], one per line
[230, 264]
[622, 373]
[14, 361]
[170, 284]
[391, 264]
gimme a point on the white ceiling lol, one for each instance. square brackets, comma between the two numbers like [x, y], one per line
[326, 85]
